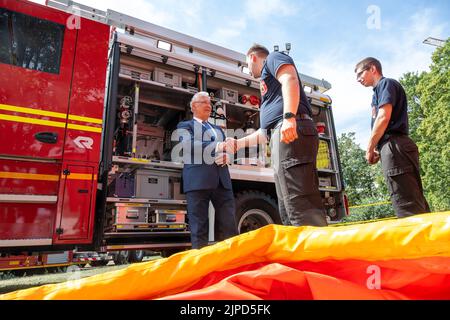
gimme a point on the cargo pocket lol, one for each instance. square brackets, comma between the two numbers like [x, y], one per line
[307, 144]
[300, 176]
[404, 190]
[308, 131]
[412, 151]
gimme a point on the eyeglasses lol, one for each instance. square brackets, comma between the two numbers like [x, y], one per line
[359, 74]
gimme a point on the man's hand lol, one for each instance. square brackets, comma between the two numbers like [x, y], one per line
[372, 156]
[229, 145]
[288, 131]
[223, 159]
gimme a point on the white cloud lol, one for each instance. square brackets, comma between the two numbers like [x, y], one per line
[263, 9]
[230, 32]
[351, 101]
[406, 50]
[401, 52]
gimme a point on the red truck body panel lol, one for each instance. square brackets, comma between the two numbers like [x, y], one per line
[67, 104]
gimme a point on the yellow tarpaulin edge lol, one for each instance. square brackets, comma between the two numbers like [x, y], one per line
[411, 238]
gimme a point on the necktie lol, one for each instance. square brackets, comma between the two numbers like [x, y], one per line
[208, 126]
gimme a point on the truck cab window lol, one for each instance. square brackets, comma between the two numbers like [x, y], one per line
[5, 46]
[29, 42]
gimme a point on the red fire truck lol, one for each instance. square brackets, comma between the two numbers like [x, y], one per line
[88, 103]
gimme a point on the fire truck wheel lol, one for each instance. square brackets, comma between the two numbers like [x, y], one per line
[99, 263]
[136, 256]
[121, 257]
[254, 210]
[168, 252]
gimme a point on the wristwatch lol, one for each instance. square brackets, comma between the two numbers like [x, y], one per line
[289, 115]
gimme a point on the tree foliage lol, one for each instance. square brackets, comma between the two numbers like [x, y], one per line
[364, 184]
[429, 102]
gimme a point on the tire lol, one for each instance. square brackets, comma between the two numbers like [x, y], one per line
[136, 256]
[168, 252]
[121, 257]
[99, 263]
[254, 210]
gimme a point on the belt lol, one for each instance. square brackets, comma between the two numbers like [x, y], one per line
[385, 138]
[301, 116]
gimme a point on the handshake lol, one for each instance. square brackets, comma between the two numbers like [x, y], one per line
[224, 150]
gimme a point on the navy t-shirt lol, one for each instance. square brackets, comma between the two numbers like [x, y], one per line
[390, 91]
[272, 96]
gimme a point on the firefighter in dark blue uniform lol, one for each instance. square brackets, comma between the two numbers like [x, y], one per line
[285, 115]
[390, 141]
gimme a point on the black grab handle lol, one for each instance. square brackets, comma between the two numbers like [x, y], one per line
[47, 137]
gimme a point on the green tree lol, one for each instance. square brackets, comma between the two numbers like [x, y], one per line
[434, 95]
[429, 117]
[357, 175]
[410, 82]
[364, 184]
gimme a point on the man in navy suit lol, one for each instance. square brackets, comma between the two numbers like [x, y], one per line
[205, 174]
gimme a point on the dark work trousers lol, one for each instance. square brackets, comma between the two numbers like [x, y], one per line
[400, 163]
[225, 222]
[296, 179]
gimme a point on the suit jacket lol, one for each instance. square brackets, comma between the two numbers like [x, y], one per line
[200, 173]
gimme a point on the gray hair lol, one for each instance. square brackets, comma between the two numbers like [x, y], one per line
[198, 95]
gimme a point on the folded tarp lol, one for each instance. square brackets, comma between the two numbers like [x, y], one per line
[394, 259]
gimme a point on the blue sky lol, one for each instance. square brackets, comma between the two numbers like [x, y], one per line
[328, 37]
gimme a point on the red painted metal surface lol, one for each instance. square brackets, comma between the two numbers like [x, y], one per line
[36, 90]
[26, 221]
[76, 205]
[18, 262]
[88, 90]
[29, 178]
[69, 104]
[26, 261]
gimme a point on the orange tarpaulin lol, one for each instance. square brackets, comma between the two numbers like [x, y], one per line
[395, 259]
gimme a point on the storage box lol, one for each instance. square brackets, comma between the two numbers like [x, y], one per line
[170, 216]
[152, 185]
[131, 213]
[123, 185]
[176, 191]
[148, 147]
[136, 73]
[325, 182]
[167, 77]
[228, 95]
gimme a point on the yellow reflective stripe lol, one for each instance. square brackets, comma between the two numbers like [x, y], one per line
[50, 114]
[49, 123]
[84, 128]
[140, 160]
[79, 176]
[33, 121]
[28, 176]
[33, 111]
[85, 119]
